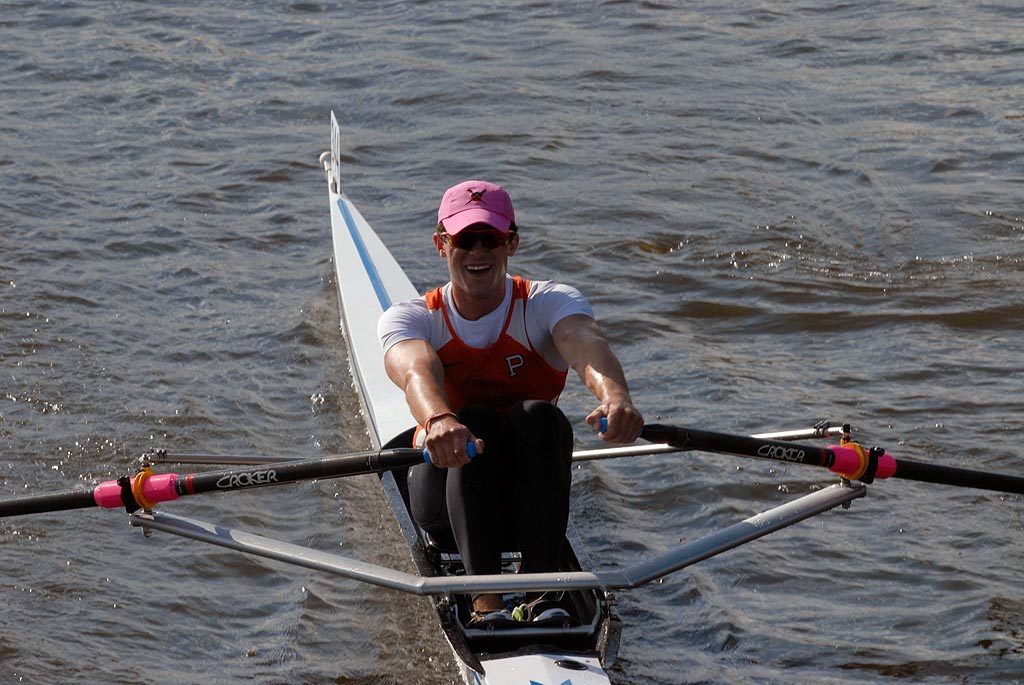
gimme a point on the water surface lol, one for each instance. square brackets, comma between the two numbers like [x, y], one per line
[780, 213]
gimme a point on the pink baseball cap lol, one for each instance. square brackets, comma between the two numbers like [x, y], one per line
[473, 202]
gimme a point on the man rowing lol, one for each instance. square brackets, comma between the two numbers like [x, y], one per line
[482, 360]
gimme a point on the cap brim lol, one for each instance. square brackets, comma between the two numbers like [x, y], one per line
[476, 215]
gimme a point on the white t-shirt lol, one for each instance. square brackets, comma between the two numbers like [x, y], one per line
[547, 304]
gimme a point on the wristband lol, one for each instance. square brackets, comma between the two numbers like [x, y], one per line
[435, 417]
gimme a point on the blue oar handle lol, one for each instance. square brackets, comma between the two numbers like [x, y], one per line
[604, 425]
[470, 450]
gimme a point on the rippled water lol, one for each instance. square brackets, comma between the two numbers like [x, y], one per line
[781, 213]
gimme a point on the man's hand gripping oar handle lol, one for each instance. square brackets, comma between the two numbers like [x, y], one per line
[849, 460]
[470, 451]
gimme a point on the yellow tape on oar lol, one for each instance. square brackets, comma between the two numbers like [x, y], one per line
[137, 482]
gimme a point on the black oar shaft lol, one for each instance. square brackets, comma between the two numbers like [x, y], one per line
[290, 472]
[134, 492]
[947, 475]
[51, 501]
[707, 441]
[887, 466]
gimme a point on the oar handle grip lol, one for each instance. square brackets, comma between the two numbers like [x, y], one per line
[470, 450]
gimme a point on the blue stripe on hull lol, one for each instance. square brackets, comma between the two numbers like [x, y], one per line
[364, 256]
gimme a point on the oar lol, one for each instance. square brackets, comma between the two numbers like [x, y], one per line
[850, 461]
[145, 489]
[822, 430]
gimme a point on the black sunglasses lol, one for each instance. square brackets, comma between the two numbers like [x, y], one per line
[467, 240]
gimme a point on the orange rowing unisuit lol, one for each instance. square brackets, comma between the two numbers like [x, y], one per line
[498, 376]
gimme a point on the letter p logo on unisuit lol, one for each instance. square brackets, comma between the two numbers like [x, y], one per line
[514, 361]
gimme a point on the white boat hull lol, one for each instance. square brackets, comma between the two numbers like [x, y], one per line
[545, 669]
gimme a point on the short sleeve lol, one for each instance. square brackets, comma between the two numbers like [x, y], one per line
[409, 320]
